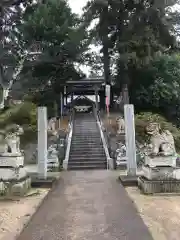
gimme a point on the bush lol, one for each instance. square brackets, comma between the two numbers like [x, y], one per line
[156, 87]
[25, 115]
[141, 121]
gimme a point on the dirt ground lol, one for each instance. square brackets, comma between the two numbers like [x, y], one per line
[15, 213]
[161, 213]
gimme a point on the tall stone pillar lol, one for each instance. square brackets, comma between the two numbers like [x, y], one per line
[130, 139]
[42, 142]
[96, 99]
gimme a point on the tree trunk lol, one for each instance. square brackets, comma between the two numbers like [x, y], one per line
[105, 43]
[125, 94]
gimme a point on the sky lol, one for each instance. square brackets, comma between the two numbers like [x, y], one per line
[77, 5]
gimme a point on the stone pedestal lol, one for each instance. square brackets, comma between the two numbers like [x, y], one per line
[159, 161]
[13, 177]
[52, 159]
[53, 163]
[160, 175]
[176, 174]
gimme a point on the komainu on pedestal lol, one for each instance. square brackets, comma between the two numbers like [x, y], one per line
[160, 173]
[13, 177]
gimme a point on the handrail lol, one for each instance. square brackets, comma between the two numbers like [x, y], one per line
[69, 138]
[105, 146]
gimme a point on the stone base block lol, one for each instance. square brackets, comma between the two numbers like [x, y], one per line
[53, 167]
[53, 160]
[128, 181]
[161, 161]
[11, 161]
[15, 188]
[158, 186]
[65, 165]
[53, 164]
[176, 173]
[12, 174]
[158, 173]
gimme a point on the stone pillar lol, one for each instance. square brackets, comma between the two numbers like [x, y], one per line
[42, 142]
[61, 101]
[96, 99]
[130, 139]
[65, 97]
[125, 94]
[72, 97]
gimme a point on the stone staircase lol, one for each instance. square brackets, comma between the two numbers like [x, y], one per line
[87, 150]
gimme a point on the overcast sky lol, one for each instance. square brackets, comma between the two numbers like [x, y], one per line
[77, 5]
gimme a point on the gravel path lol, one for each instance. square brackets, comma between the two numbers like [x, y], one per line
[87, 205]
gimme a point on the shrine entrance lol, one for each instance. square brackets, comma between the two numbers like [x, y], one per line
[82, 104]
[78, 91]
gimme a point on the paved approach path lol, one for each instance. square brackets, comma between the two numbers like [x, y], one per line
[87, 205]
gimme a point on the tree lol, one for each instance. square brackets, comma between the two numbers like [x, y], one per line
[156, 87]
[10, 48]
[133, 30]
[62, 43]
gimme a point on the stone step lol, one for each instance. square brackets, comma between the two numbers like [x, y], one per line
[87, 158]
[88, 151]
[84, 167]
[83, 133]
[79, 151]
[86, 139]
[90, 139]
[85, 123]
[87, 126]
[87, 129]
[87, 163]
[86, 136]
[87, 147]
[94, 157]
[97, 144]
[86, 142]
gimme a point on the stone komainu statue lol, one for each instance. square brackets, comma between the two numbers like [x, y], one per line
[121, 125]
[161, 141]
[10, 139]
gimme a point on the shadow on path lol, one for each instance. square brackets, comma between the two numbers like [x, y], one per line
[87, 205]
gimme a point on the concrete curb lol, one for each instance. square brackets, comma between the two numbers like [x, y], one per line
[128, 181]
